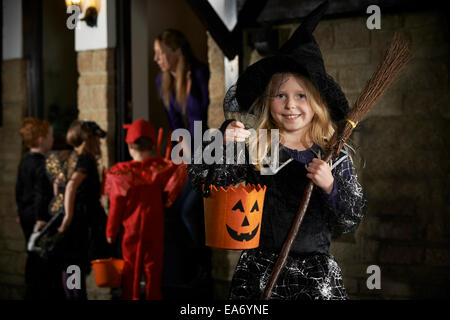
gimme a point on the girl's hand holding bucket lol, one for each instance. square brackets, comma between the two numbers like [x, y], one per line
[235, 132]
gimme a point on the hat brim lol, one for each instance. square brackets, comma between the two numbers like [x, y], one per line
[95, 129]
[100, 133]
[254, 80]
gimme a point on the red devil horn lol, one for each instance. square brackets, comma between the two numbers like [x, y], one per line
[169, 146]
[158, 143]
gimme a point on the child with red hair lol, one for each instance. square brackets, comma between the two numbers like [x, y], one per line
[34, 192]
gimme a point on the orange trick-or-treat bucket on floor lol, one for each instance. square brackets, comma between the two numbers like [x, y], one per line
[233, 216]
[108, 272]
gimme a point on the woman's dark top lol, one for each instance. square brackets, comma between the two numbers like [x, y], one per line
[85, 236]
[89, 190]
[33, 189]
[197, 102]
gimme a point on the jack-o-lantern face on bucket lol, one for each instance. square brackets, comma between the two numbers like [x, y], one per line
[233, 216]
[248, 216]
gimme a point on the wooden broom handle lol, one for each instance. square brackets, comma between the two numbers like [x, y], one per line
[292, 235]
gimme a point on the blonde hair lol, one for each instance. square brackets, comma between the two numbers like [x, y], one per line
[319, 130]
[174, 40]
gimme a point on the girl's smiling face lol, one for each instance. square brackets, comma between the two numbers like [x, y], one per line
[289, 106]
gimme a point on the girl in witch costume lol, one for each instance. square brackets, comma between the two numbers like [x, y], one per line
[138, 190]
[291, 92]
[83, 226]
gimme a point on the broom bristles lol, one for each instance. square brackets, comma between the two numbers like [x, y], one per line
[396, 56]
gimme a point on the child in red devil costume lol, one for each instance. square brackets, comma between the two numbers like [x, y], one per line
[138, 191]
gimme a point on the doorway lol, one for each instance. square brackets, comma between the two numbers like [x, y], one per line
[49, 48]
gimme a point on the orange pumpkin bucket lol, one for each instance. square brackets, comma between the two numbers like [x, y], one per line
[108, 272]
[233, 216]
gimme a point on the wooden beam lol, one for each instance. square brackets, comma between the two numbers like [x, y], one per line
[229, 42]
[249, 14]
[284, 11]
[214, 24]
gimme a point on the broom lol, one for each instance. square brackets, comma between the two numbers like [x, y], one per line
[395, 58]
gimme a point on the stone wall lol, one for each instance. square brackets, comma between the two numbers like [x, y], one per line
[216, 84]
[96, 102]
[12, 243]
[96, 95]
[404, 145]
[403, 142]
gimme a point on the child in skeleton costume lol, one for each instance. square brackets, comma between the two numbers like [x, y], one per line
[138, 190]
[292, 92]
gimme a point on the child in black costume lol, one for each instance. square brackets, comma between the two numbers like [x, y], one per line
[84, 220]
[291, 92]
[33, 194]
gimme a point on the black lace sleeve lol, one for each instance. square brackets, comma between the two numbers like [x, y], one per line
[350, 205]
[229, 172]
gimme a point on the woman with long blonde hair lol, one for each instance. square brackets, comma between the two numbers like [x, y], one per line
[183, 88]
[183, 81]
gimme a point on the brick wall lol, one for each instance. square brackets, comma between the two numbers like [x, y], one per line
[96, 102]
[406, 231]
[96, 95]
[216, 84]
[12, 243]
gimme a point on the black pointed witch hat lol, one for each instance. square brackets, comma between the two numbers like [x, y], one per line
[300, 54]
